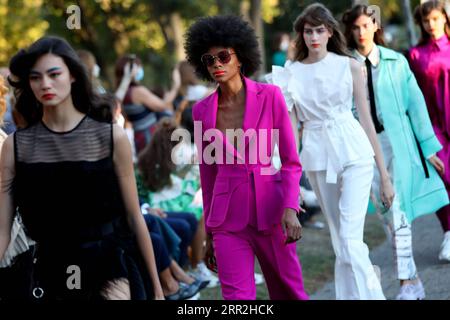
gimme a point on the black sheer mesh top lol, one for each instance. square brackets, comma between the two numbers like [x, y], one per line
[65, 182]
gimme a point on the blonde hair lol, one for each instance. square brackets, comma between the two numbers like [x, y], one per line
[3, 92]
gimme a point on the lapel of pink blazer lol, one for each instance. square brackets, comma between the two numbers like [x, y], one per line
[253, 108]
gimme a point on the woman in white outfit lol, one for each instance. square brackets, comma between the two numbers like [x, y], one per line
[337, 150]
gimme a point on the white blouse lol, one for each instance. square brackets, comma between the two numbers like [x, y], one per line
[322, 94]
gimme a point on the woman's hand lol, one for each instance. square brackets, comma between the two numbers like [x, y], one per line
[146, 209]
[129, 73]
[387, 191]
[157, 212]
[291, 226]
[437, 164]
[159, 295]
[210, 258]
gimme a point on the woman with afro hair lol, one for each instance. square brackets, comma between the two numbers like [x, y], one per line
[249, 207]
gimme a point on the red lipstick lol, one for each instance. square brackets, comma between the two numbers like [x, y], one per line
[48, 96]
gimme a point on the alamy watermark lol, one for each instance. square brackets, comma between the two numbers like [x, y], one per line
[253, 147]
[74, 19]
[74, 280]
[375, 12]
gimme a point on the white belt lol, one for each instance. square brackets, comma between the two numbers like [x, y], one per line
[327, 126]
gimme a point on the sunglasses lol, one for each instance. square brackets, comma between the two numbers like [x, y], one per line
[223, 56]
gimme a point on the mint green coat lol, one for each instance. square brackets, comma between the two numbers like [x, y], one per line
[396, 94]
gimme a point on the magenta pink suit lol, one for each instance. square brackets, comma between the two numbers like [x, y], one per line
[430, 63]
[244, 201]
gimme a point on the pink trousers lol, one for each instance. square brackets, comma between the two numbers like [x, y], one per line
[235, 254]
[444, 217]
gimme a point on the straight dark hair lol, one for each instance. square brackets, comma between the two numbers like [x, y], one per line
[423, 10]
[83, 96]
[349, 18]
[317, 14]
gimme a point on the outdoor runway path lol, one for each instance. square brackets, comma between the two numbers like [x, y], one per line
[435, 275]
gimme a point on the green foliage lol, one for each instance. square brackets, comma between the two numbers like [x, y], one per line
[151, 29]
[112, 28]
[391, 12]
[20, 25]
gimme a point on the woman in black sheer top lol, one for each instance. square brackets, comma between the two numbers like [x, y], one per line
[70, 175]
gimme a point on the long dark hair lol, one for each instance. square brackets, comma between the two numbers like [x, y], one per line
[83, 96]
[350, 17]
[154, 161]
[317, 14]
[424, 10]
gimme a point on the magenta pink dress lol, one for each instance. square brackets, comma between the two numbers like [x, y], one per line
[430, 63]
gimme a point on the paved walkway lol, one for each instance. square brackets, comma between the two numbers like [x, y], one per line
[435, 275]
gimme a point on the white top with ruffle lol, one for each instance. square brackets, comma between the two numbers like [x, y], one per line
[322, 94]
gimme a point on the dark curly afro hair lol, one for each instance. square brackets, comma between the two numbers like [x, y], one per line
[226, 31]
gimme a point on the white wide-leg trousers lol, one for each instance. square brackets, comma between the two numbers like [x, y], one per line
[345, 206]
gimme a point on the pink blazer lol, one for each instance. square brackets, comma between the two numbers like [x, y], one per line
[226, 187]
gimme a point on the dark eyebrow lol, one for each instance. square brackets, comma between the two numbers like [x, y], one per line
[314, 28]
[53, 69]
[48, 71]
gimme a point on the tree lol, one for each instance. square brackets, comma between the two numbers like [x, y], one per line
[228, 7]
[411, 31]
[355, 2]
[173, 18]
[256, 19]
[20, 25]
[111, 28]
